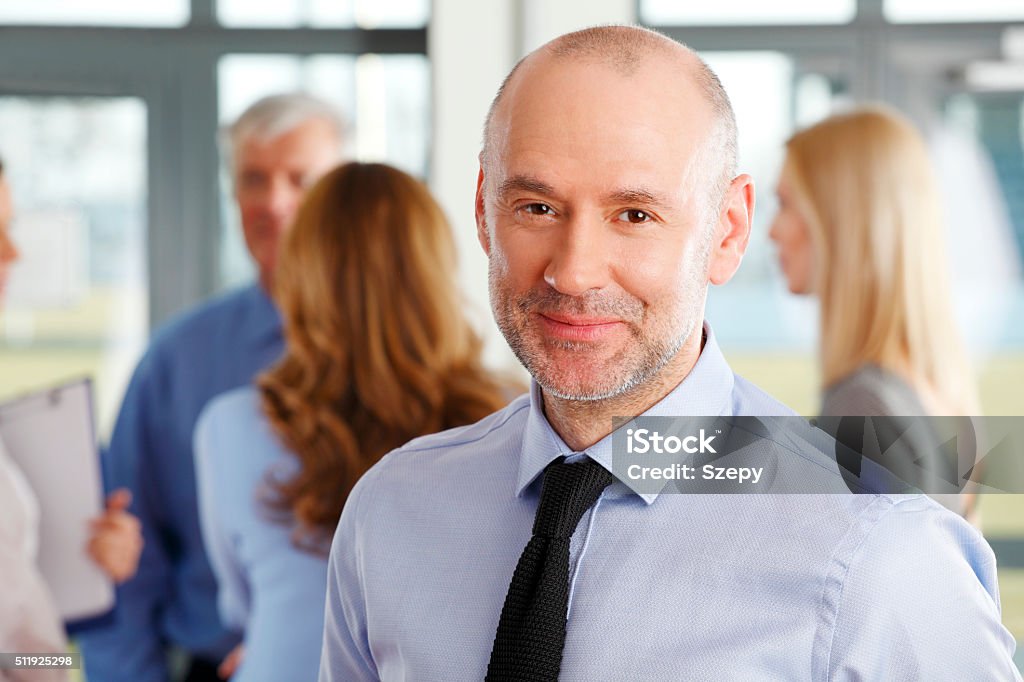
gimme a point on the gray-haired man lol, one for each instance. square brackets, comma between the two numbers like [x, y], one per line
[277, 148]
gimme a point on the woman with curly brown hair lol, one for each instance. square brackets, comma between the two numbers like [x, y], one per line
[378, 352]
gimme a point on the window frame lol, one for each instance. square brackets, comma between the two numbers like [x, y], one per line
[869, 42]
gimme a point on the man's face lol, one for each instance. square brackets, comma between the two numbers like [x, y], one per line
[271, 177]
[595, 223]
[8, 253]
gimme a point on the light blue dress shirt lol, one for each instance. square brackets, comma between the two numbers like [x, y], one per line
[663, 586]
[213, 348]
[268, 588]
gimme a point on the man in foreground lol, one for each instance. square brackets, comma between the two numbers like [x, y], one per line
[278, 147]
[607, 203]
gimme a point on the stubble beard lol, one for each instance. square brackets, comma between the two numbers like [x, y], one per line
[639, 362]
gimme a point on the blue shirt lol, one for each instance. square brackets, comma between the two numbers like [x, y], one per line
[267, 587]
[663, 586]
[172, 599]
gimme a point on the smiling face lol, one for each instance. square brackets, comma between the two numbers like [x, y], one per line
[593, 210]
[792, 235]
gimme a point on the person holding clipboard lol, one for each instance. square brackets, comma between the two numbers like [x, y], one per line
[29, 621]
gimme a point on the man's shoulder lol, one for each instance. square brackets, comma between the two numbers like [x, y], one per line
[221, 310]
[917, 519]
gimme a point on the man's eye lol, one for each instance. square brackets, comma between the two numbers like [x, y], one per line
[539, 209]
[634, 215]
[252, 180]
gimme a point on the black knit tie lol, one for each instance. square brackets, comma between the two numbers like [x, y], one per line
[531, 632]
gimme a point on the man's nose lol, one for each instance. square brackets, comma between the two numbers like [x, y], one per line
[581, 258]
[282, 199]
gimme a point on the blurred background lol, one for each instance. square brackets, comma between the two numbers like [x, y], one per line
[110, 109]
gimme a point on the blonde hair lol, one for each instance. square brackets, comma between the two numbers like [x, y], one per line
[378, 351]
[864, 183]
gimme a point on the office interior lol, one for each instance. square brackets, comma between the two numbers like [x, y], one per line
[110, 113]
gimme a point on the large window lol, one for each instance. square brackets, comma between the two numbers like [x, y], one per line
[385, 97]
[771, 98]
[725, 12]
[110, 131]
[960, 83]
[953, 10]
[77, 301]
[95, 12]
[324, 13]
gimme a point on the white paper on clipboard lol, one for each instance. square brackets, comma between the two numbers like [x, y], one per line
[49, 435]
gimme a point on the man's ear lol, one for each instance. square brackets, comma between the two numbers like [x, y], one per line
[481, 215]
[732, 232]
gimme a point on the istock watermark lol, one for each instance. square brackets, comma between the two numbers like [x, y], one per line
[849, 454]
[642, 441]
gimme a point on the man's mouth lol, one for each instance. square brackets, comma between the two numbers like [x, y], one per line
[568, 327]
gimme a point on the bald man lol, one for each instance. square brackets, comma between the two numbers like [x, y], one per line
[607, 203]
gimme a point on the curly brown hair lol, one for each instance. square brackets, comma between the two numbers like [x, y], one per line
[378, 351]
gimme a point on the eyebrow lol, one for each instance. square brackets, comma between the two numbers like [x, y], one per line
[525, 183]
[633, 195]
[637, 195]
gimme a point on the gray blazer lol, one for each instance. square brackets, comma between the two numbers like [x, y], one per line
[873, 391]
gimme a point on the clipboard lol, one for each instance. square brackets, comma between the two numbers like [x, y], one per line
[50, 436]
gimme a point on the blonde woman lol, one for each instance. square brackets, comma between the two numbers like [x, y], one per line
[859, 226]
[378, 352]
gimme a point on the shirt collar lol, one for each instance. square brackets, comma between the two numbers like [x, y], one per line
[706, 391]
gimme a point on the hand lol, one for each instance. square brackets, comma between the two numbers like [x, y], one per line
[116, 541]
[230, 663]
